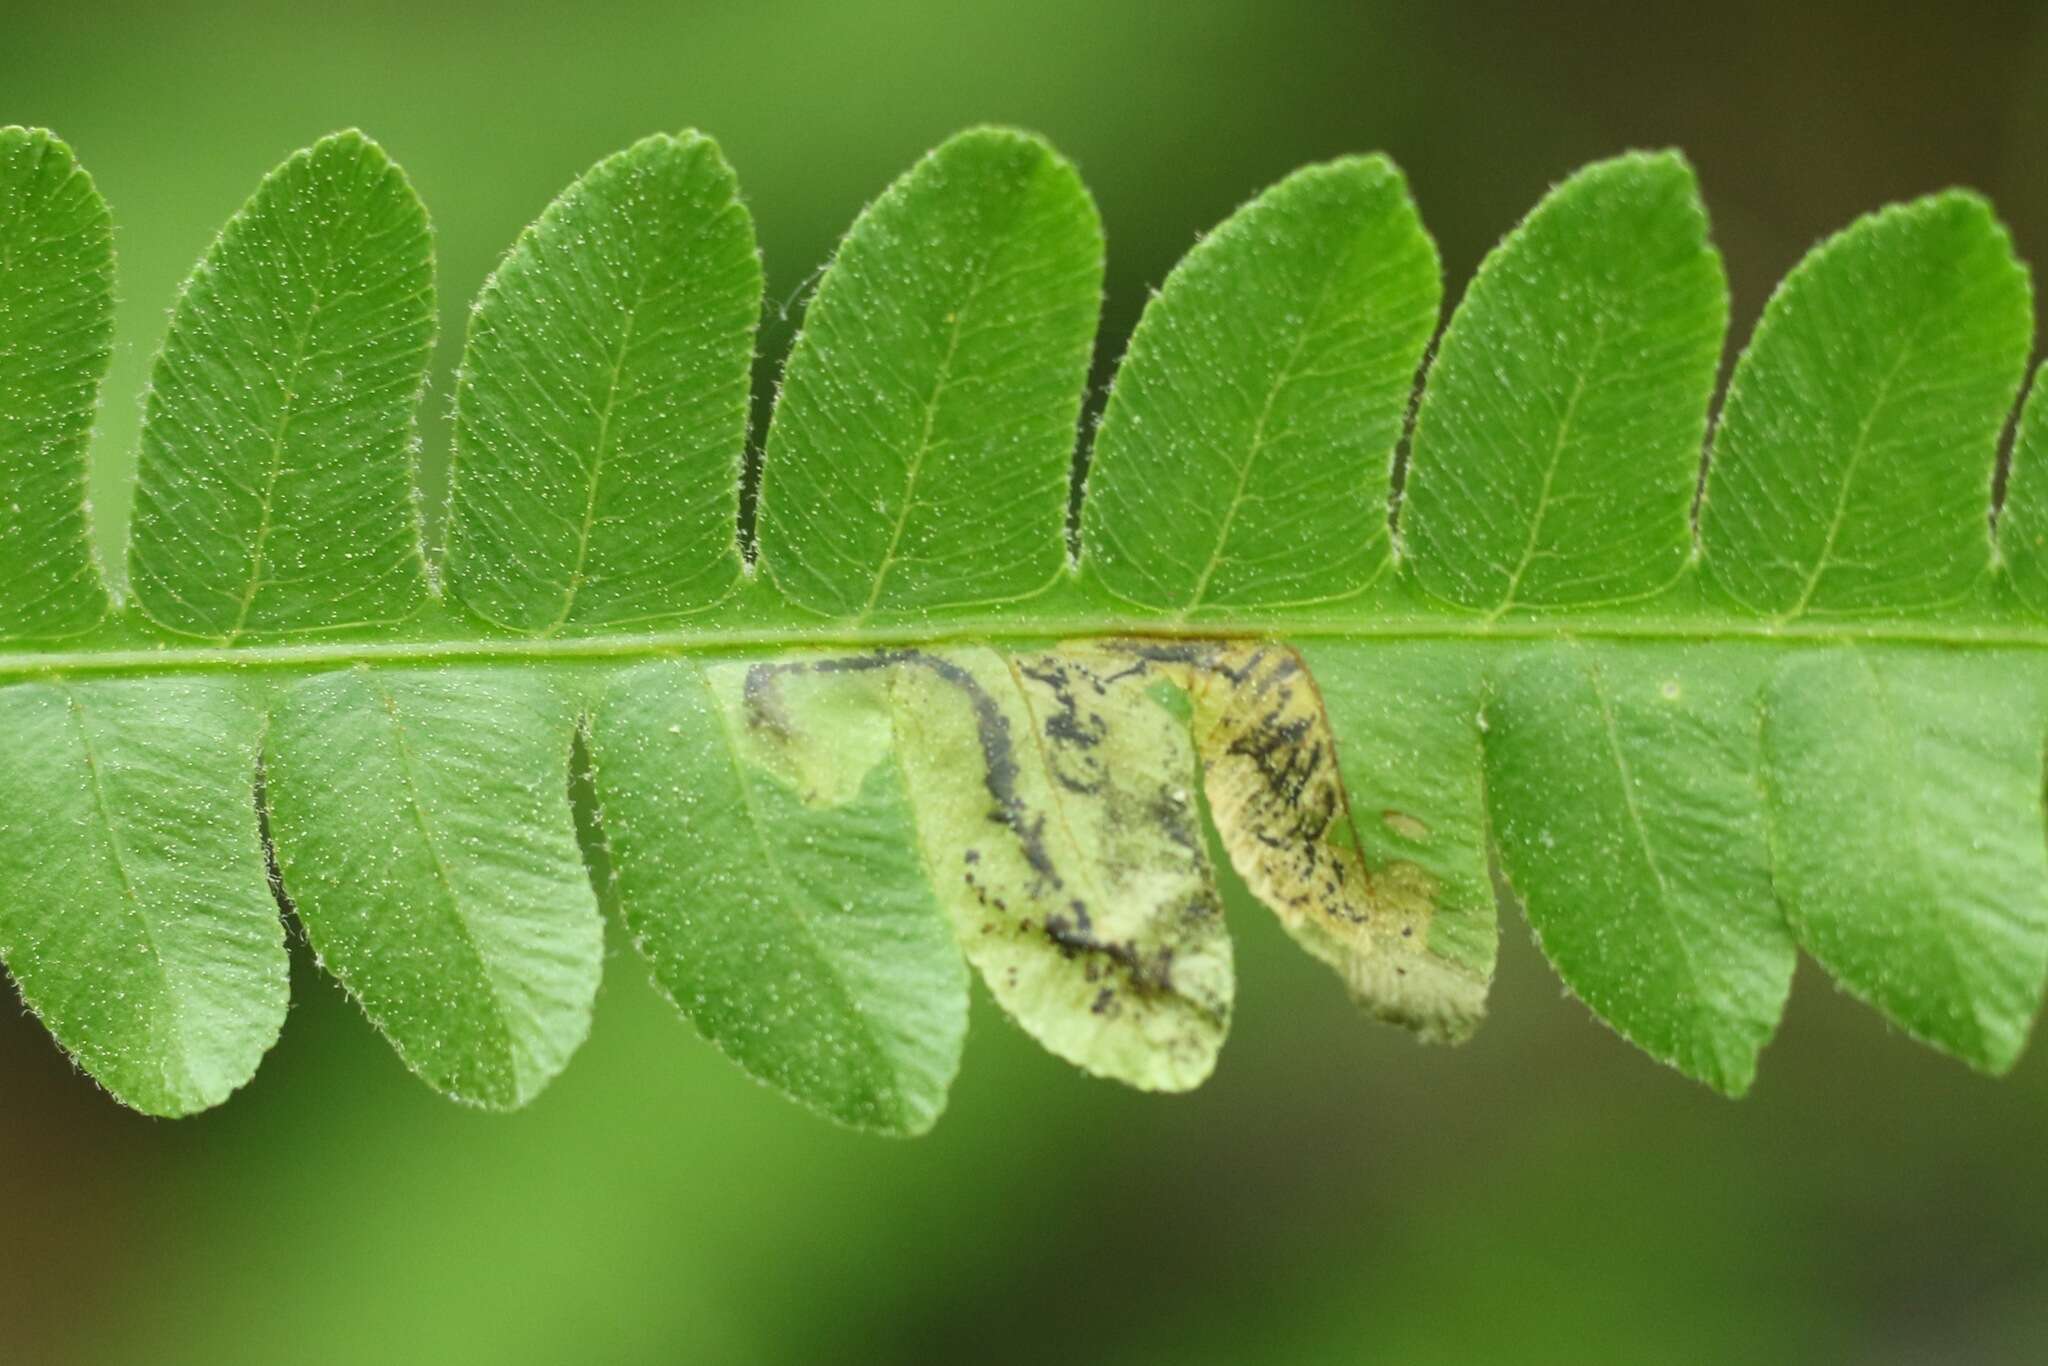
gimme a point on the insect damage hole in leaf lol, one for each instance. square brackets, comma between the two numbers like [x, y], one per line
[912, 737]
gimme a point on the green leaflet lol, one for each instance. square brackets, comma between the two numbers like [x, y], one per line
[765, 865]
[1911, 863]
[1404, 718]
[1244, 455]
[2023, 521]
[820, 785]
[924, 431]
[135, 913]
[1852, 468]
[423, 833]
[275, 490]
[602, 408]
[1627, 805]
[56, 341]
[1572, 485]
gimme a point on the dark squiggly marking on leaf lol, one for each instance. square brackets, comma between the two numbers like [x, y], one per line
[1056, 816]
[1279, 802]
[992, 729]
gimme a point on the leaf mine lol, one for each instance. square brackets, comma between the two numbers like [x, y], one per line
[1269, 763]
[1057, 816]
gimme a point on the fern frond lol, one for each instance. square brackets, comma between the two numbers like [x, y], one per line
[1700, 716]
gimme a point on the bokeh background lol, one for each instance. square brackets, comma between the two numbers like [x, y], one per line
[1337, 1193]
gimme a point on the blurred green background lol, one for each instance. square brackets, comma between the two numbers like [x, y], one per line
[1337, 1193]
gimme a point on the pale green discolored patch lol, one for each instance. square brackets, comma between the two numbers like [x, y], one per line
[274, 489]
[1626, 800]
[924, 433]
[1058, 818]
[1277, 798]
[135, 912]
[766, 867]
[1243, 459]
[422, 826]
[1558, 442]
[601, 413]
[1905, 808]
[56, 341]
[1852, 467]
